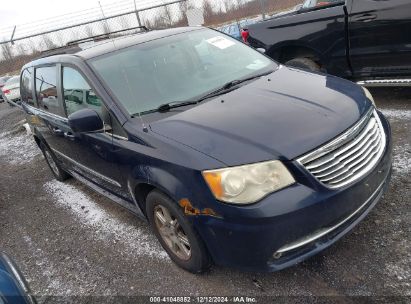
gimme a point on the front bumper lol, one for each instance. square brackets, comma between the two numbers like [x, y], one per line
[295, 223]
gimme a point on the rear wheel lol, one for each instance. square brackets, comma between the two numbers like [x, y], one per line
[175, 233]
[304, 63]
[51, 160]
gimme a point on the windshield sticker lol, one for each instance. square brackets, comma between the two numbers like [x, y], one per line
[220, 42]
[256, 65]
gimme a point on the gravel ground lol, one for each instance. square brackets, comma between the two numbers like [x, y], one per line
[70, 241]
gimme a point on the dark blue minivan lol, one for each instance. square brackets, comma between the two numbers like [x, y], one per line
[233, 159]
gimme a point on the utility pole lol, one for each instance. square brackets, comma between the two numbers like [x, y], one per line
[12, 35]
[262, 7]
[107, 28]
[137, 14]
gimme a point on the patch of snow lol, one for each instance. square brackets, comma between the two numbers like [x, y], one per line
[402, 159]
[26, 126]
[18, 148]
[106, 227]
[56, 284]
[400, 271]
[397, 114]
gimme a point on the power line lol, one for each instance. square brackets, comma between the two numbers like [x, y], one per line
[92, 12]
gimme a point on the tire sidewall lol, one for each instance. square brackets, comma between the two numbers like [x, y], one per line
[199, 260]
[305, 64]
[62, 175]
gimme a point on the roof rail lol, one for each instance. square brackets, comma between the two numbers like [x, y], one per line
[60, 50]
[104, 36]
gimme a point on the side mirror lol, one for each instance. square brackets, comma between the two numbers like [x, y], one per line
[261, 50]
[85, 120]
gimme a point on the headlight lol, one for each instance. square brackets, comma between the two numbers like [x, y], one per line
[369, 96]
[249, 183]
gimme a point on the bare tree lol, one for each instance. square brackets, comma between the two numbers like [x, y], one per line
[182, 19]
[105, 27]
[230, 5]
[74, 35]
[123, 22]
[89, 31]
[21, 50]
[6, 51]
[208, 11]
[162, 19]
[32, 47]
[168, 16]
[59, 38]
[48, 43]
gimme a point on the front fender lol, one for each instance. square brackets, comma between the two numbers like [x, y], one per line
[186, 187]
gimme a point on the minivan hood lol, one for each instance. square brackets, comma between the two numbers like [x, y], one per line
[280, 116]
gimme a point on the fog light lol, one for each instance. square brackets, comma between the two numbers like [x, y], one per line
[277, 255]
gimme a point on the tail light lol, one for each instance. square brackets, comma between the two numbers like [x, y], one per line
[6, 91]
[244, 35]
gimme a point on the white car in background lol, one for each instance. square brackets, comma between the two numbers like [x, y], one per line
[3, 80]
[11, 90]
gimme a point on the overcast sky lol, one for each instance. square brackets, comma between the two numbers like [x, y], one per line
[18, 12]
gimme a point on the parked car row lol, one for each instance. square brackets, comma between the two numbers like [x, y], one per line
[10, 91]
[234, 29]
[3, 81]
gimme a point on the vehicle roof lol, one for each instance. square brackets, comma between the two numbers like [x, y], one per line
[96, 49]
[13, 78]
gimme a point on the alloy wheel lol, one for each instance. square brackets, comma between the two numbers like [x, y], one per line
[172, 233]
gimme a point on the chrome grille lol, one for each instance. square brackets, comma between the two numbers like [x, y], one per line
[350, 156]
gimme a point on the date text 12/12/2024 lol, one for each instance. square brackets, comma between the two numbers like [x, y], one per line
[200, 299]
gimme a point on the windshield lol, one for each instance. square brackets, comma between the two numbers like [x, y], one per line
[318, 3]
[177, 68]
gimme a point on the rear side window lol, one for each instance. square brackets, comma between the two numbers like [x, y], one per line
[26, 86]
[46, 90]
[77, 93]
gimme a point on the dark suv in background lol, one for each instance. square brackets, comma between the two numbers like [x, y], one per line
[355, 39]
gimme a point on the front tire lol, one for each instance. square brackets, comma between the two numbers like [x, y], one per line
[176, 234]
[54, 166]
[304, 63]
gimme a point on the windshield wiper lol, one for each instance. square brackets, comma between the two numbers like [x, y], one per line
[165, 107]
[229, 86]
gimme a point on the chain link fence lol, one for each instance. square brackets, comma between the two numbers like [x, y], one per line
[28, 41]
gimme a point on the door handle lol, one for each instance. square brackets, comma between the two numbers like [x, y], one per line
[69, 135]
[57, 131]
[365, 18]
